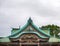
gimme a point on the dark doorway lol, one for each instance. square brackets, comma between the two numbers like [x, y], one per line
[54, 45]
[29, 45]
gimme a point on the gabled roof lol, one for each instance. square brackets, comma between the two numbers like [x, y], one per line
[39, 35]
[30, 22]
[4, 39]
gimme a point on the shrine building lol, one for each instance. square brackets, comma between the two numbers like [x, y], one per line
[29, 35]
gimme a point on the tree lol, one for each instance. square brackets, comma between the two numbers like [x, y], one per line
[54, 29]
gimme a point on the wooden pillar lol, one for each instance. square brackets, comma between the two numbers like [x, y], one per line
[20, 44]
[38, 42]
[50, 45]
[7, 44]
[58, 44]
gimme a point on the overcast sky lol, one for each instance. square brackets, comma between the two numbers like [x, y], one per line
[15, 13]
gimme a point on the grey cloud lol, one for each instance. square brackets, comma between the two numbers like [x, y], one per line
[16, 12]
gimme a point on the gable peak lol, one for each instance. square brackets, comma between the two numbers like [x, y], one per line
[30, 20]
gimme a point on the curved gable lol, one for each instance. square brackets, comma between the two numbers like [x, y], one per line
[16, 34]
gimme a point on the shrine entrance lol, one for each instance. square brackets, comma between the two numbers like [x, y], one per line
[29, 45]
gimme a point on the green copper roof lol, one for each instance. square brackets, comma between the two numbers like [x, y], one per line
[14, 30]
[39, 35]
[17, 33]
[47, 31]
[5, 39]
[54, 39]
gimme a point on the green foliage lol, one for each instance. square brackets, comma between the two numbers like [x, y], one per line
[54, 29]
